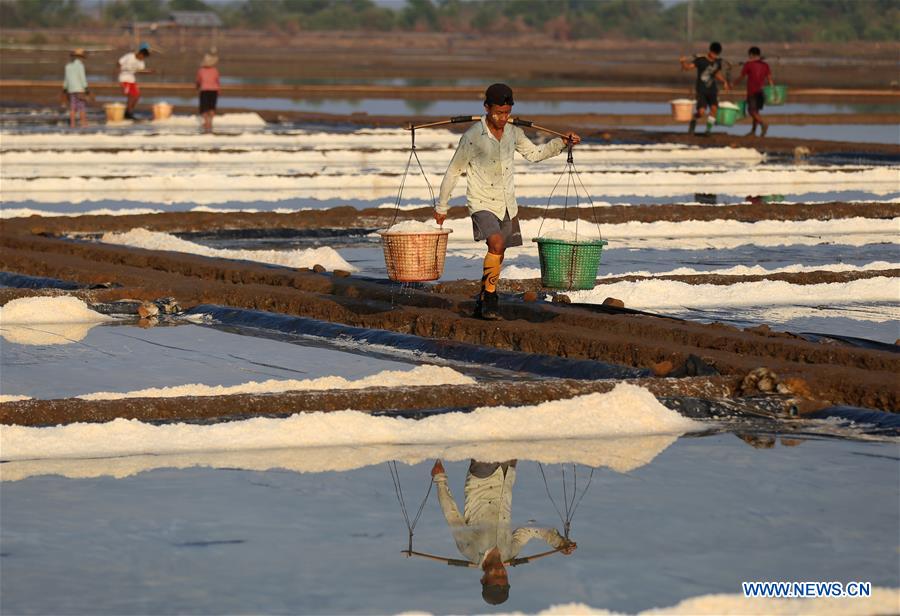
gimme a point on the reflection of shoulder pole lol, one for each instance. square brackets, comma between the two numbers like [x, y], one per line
[527, 559]
[454, 562]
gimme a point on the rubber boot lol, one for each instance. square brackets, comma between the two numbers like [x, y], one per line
[488, 306]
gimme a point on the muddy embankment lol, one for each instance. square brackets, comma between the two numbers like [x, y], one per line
[831, 372]
[348, 217]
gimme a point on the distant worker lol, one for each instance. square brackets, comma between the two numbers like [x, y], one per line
[485, 153]
[130, 65]
[483, 533]
[75, 88]
[709, 70]
[757, 73]
[208, 87]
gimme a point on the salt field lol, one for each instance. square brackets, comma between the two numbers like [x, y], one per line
[214, 399]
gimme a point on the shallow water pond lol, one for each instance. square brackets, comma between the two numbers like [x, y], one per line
[64, 360]
[701, 516]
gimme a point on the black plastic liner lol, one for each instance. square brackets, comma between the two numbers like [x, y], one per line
[867, 420]
[21, 281]
[863, 343]
[541, 365]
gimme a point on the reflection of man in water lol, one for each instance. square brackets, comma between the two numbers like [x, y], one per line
[483, 533]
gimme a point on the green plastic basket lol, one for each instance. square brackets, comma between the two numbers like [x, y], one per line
[727, 116]
[775, 95]
[569, 265]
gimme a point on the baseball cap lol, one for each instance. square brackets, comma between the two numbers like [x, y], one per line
[145, 47]
[498, 94]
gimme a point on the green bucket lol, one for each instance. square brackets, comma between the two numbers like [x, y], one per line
[727, 116]
[775, 95]
[569, 265]
[743, 109]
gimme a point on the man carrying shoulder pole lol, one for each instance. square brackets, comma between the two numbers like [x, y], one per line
[485, 153]
[709, 71]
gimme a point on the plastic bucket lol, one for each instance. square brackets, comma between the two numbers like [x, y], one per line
[569, 265]
[682, 110]
[775, 95]
[161, 111]
[414, 257]
[743, 107]
[115, 112]
[727, 116]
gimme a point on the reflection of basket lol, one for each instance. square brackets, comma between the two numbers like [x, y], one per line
[569, 265]
[775, 95]
[414, 257]
[162, 111]
[727, 116]
[682, 110]
[115, 112]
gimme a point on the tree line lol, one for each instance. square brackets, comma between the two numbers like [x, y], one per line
[763, 20]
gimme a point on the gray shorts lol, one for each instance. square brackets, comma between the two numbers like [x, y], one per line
[485, 224]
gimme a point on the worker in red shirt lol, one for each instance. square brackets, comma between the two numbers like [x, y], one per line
[758, 74]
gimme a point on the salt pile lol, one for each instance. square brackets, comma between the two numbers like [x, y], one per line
[570, 235]
[413, 226]
[31, 310]
[38, 321]
[626, 411]
[421, 375]
[672, 294]
[728, 105]
[325, 256]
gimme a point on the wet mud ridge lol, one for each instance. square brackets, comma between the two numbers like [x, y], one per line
[826, 371]
[350, 219]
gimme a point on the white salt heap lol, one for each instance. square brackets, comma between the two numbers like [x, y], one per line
[31, 310]
[414, 226]
[626, 411]
[47, 320]
[325, 256]
[421, 375]
[583, 234]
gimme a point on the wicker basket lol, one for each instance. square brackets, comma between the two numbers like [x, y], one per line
[569, 265]
[415, 257]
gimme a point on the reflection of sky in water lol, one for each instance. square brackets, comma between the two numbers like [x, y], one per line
[704, 515]
[124, 358]
[388, 106]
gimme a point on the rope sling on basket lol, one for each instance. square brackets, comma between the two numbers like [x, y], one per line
[417, 255]
[568, 262]
[570, 505]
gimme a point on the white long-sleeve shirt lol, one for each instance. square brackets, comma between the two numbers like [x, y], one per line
[488, 164]
[485, 523]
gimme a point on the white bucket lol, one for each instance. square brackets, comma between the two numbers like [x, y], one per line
[115, 112]
[682, 109]
[162, 111]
